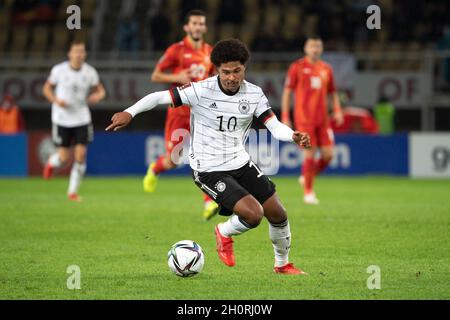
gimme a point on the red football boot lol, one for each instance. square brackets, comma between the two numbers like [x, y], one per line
[288, 269]
[48, 171]
[74, 197]
[225, 248]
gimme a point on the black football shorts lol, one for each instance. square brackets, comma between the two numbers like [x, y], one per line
[228, 187]
[66, 137]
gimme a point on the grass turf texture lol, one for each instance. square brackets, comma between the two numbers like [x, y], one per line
[119, 237]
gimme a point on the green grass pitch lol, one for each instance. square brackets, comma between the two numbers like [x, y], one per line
[119, 237]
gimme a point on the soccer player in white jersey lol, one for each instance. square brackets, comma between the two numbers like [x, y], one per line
[72, 86]
[222, 110]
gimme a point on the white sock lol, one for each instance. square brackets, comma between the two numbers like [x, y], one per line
[55, 161]
[233, 227]
[280, 234]
[76, 175]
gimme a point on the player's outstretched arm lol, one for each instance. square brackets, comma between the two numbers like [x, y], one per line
[122, 119]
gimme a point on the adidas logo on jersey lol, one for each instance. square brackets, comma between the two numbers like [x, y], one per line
[213, 105]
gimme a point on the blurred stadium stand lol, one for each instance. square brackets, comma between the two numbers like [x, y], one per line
[128, 36]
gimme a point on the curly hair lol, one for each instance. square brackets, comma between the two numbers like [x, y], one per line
[229, 50]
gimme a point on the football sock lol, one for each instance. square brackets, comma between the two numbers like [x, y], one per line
[308, 174]
[320, 165]
[280, 235]
[159, 166]
[76, 175]
[233, 226]
[55, 161]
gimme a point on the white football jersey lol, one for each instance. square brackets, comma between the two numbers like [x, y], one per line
[220, 123]
[73, 87]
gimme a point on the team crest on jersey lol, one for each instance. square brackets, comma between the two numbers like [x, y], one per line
[244, 106]
[221, 186]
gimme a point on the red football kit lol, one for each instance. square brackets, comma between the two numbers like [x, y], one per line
[178, 57]
[311, 83]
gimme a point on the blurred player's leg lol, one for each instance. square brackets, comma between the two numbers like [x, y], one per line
[176, 131]
[55, 162]
[159, 166]
[325, 141]
[322, 163]
[211, 208]
[326, 144]
[150, 179]
[306, 178]
[77, 172]
[164, 163]
[308, 174]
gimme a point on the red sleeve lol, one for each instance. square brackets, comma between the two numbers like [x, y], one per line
[212, 68]
[292, 76]
[168, 60]
[331, 88]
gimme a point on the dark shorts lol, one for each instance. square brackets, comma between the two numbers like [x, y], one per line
[66, 137]
[228, 187]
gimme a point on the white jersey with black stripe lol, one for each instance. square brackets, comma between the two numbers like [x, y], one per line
[73, 87]
[220, 122]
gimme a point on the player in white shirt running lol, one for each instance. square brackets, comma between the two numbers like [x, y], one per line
[72, 86]
[222, 110]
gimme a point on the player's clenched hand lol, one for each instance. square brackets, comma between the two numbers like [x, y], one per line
[119, 120]
[302, 139]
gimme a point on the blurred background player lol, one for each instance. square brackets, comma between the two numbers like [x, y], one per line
[11, 119]
[183, 62]
[312, 81]
[71, 87]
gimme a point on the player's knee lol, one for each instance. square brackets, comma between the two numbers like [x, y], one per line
[64, 158]
[255, 214]
[80, 158]
[310, 153]
[328, 156]
[327, 153]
